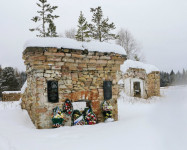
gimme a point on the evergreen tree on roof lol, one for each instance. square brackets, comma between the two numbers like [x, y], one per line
[45, 17]
[52, 30]
[100, 29]
[82, 32]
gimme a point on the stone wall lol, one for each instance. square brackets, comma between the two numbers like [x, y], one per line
[80, 75]
[135, 73]
[150, 83]
[11, 96]
[153, 84]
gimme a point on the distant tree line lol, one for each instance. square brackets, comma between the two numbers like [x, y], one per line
[172, 78]
[11, 79]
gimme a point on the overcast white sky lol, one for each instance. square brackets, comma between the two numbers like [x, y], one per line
[159, 25]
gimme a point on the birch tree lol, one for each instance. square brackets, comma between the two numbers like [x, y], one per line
[128, 42]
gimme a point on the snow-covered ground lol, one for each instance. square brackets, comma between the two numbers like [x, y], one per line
[160, 124]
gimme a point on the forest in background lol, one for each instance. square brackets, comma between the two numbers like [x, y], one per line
[11, 79]
[172, 78]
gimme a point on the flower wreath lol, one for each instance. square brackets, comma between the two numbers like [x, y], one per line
[68, 107]
[89, 117]
[57, 117]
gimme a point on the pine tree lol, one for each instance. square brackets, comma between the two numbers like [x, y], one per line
[172, 77]
[9, 80]
[161, 80]
[46, 18]
[52, 30]
[82, 32]
[178, 78]
[164, 79]
[183, 75]
[101, 29]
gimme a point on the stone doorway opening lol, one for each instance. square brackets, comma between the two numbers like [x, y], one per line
[137, 89]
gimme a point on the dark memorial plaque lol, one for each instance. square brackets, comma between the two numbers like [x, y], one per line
[52, 90]
[107, 86]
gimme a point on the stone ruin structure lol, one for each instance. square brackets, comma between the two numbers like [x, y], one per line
[140, 80]
[60, 69]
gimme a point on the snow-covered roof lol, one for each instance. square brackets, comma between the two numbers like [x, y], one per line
[73, 44]
[103, 47]
[9, 92]
[54, 42]
[136, 64]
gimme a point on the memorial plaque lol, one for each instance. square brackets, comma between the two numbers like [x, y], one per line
[107, 86]
[52, 90]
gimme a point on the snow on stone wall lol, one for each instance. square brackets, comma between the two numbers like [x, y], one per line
[54, 42]
[73, 44]
[104, 47]
[139, 65]
[9, 92]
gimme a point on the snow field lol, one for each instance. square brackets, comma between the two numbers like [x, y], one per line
[160, 124]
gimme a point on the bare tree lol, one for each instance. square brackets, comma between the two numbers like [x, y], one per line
[132, 48]
[70, 33]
